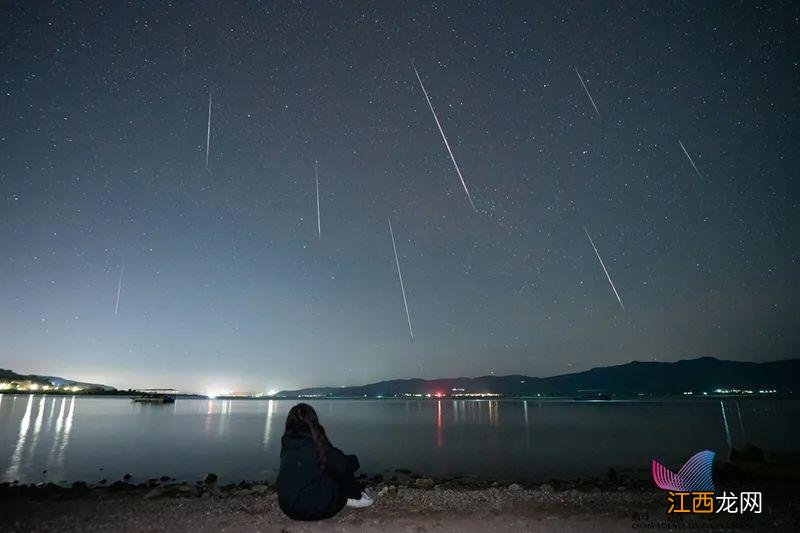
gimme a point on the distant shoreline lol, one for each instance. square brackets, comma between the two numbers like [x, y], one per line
[565, 398]
[699, 377]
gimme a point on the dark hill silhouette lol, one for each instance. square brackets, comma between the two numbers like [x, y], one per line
[650, 378]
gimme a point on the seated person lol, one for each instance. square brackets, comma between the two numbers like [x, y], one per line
[315, 480]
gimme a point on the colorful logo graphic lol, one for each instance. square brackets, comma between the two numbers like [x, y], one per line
[695, 475]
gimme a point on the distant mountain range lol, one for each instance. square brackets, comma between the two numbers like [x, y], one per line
[704, 374]
[9, 376]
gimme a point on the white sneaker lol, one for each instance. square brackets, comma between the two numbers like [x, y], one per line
[364, 501]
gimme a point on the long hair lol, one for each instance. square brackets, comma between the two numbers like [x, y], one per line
[302, 421]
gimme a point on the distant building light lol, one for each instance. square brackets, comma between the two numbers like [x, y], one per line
[733, 391]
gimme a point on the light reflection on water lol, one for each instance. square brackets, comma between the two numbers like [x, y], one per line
[268, 423]
[75, 437]
[439, 423]
[16, 458]
[65, 434]
[224, 417]
[60, 436]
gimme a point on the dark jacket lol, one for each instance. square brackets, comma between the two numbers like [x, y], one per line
[305, 493]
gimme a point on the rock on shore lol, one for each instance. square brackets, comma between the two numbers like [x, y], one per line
[404, 503]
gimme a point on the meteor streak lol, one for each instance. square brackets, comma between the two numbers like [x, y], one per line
[119, 288]
[400, 276]
[444, 138]
[319, 221]
[208, 132]
[613, 288]
[690, 159]
[587, 93]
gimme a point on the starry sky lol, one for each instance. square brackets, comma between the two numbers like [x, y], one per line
[225, 282]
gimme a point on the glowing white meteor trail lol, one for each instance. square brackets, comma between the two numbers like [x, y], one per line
[208, 132]
[690, 159]
[319, 221]
[613, 288]
[447, 144]
[400, 275]
[119, 288]
[587, 93]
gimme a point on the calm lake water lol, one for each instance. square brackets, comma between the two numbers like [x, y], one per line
[80, 438]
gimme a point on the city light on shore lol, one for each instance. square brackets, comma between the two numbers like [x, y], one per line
[29, 386]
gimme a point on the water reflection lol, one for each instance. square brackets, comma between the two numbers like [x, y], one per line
[66, 434]
[493, 411]
[469, 412]
[741, 422]
[60, 419]
[63, 429]
[527, 426]
[268, 423]
[459, 411]
[477, 411]
[37, 426]
[224, 417]
[48, 433]
[725, 424]
[209, 415]
[439, 423]
[16, 457]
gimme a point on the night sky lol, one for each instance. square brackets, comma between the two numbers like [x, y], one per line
[226, 283]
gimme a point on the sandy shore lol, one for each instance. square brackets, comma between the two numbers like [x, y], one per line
[441, 507]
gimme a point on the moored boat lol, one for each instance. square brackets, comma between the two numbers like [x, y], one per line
[155, 398]
[592, 395]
